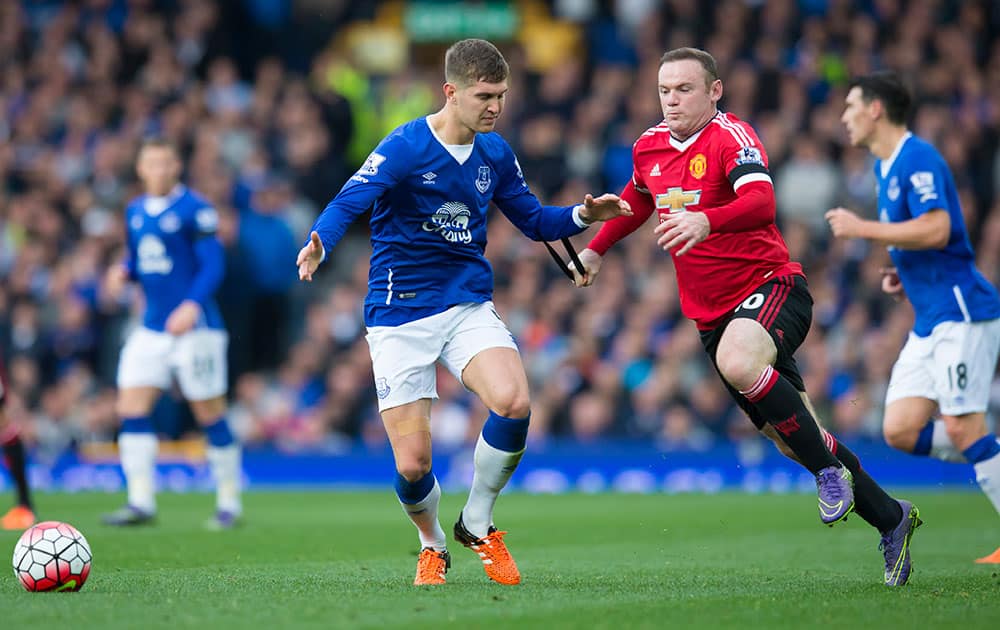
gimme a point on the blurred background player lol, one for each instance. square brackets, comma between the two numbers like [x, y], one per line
[173, 253]
[22, 515]
[947, 365]
[430, 289]
[706, 174]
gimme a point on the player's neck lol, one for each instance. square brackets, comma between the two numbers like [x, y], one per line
[886, 141]
[450, 129]
[697, 127]
[150, 192]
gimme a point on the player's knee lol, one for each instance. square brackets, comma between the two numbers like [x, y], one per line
[208, 411]
[741, 370]
[509, 400]
[899, 436]
[963, 431]
[413, 467]
[516, 405]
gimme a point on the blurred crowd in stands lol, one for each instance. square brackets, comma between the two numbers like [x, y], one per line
[274, 103]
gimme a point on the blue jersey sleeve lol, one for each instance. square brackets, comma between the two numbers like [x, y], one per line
[519, 204]
[209, 254]
[385, 167]
[925, 185]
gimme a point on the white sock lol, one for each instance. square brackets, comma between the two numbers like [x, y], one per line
[138, 455]
[988, 476]
[493, 469]
[424, 515]
[941, 446]
[227, 470]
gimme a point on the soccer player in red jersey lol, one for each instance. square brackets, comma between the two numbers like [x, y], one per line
[21, 516]
[706, 175]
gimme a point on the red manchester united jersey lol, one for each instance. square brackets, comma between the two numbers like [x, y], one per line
[705, 173]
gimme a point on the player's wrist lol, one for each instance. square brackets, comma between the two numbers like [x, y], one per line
[581, 217]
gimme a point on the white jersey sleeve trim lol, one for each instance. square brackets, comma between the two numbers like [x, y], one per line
[578, 219]
[752, 177]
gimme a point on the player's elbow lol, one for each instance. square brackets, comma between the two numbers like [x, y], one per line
[938, 240]
[937, 229]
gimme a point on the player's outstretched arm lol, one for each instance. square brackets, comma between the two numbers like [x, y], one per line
[931, 230]
[591, 267]
[604, 208]
[310, 257]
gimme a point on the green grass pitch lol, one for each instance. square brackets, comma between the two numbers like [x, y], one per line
[346, 560]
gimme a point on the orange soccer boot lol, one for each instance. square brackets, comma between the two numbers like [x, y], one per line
[431, 567]
[497, 561]
[993, 558]
[19, 517]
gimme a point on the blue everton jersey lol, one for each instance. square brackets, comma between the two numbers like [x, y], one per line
[163, 237]
[428, 224]
[942, 284]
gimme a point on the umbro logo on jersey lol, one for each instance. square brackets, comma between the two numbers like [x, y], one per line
[429, 177]
[655, 171]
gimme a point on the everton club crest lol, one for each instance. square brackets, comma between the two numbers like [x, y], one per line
[483, 181]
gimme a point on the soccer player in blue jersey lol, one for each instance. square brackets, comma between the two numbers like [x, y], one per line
[430, 287]
[940, 385]
[173, 253]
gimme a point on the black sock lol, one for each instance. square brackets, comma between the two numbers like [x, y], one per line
[871, 502]
[781, 405]
[14, 454]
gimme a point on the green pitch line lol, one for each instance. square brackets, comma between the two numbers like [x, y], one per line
[346, 560]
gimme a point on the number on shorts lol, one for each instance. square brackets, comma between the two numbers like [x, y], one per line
[960, 378]
[204, 367]
[752, 303]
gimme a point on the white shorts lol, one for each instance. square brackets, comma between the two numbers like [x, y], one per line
[404, 356]
[196, 358]
[954, 366]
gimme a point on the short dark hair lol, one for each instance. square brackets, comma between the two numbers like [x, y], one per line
[472, 60]
[706, 60]
[888, 88]
[159, 142]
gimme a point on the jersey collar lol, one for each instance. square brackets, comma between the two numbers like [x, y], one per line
[886, 165]
[154, 206]
[460, 152]
[683, 146]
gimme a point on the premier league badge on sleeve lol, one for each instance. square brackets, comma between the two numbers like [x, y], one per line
[483, 181]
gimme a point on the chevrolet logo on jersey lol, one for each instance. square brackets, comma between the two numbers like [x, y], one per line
[677, 199]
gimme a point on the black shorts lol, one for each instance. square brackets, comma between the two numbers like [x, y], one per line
[783, 306]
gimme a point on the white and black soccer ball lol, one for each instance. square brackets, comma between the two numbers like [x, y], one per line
[52, 556]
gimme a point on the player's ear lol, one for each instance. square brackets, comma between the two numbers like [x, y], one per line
[715, 90]
[450, 90]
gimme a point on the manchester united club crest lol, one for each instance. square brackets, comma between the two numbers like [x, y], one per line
[697, 166]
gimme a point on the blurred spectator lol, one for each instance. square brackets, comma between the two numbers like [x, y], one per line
[272, 115]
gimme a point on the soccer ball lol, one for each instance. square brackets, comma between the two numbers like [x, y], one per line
[52, 556]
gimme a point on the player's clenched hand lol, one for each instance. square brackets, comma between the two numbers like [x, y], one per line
[591, 267]
[115, 280]
[685, 229]
[843, 223]
[604, 208]
[183, 318]
[891, 283]
[310, 257]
